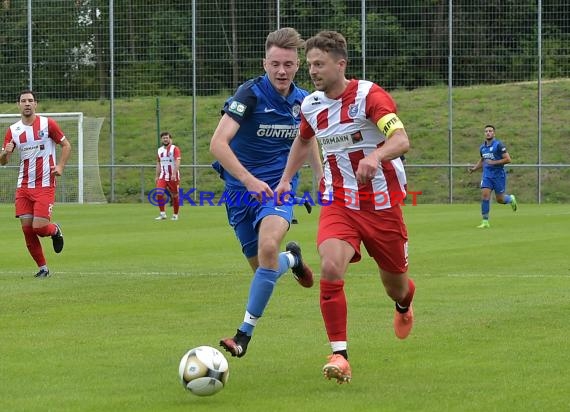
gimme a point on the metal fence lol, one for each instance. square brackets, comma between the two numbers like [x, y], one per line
[111, 52]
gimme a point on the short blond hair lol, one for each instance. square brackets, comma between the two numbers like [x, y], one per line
[284, 38]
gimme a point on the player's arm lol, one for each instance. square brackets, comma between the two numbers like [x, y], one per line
[315, 160]
[176, 168]
[395, 145]
[220, 148]
[477, 166]
[157, 172]
[65, 154]
[5, 152]
[177, 160]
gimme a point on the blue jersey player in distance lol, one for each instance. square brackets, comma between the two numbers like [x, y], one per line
[494, 157]
[251, 145]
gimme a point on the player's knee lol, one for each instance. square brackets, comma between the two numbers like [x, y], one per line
[395, 292]
[267, 251]
[42, 231]
[331, 269]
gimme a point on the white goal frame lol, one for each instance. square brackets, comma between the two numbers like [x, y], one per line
[70, 115]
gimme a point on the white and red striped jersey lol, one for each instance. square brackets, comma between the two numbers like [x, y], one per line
[167, 157]
[346, 128]
[36, 144]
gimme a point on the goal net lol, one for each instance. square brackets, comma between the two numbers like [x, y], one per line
[80, 182]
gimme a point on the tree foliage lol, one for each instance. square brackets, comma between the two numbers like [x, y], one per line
[406, 43]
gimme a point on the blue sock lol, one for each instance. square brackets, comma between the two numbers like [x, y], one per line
[260, 291]
[485, 207]
[508, 199]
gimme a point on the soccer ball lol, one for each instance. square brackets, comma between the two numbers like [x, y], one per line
[203, 371]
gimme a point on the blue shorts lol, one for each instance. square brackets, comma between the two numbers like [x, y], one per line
[245, 214]
[496, 183]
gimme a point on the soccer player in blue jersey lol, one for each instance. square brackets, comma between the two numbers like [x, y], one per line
[251, 144]
[494, 157]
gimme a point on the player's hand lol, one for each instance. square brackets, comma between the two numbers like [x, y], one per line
[258, 189]
[470, 170]
[56, 170]
[367, 169]
[283, 192]
[10, 147]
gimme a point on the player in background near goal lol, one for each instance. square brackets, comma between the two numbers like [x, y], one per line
[36, 138]
[362, 139]
[251, 144]
[168, 175]
[494, 157]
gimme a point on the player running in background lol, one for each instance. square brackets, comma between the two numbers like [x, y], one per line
[494, 157]
[168, 175]
[251, 144]
[362, 140]
[36, 138]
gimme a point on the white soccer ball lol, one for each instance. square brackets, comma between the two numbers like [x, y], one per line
[204, 370]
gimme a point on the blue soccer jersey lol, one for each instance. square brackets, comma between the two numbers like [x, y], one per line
[494, 151]
[269, 122]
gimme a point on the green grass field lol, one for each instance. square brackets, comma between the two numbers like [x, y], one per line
[129, 296]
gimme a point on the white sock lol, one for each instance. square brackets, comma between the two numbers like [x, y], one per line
[249, 318]
[291, 258]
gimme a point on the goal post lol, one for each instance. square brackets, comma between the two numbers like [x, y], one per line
[81, 181]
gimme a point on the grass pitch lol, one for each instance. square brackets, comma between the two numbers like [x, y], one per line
[128, 296]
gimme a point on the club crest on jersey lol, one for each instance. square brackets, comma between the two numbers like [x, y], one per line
[237, 108]
[352, 110]
[296, 110]
[43, 134]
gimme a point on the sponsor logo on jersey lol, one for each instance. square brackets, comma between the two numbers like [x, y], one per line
[237, 108]
[341, 140]
[356, 137]
[277, 130]
[29, 147]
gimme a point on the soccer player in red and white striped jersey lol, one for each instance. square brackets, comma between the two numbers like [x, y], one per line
[168, 175]
[364, 182]
[36, 138]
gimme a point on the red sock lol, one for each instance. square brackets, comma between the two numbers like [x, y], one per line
[407, 301]
[34, 245]
[175, 204]
[334, 309]
[47, 230]
[161, 202]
